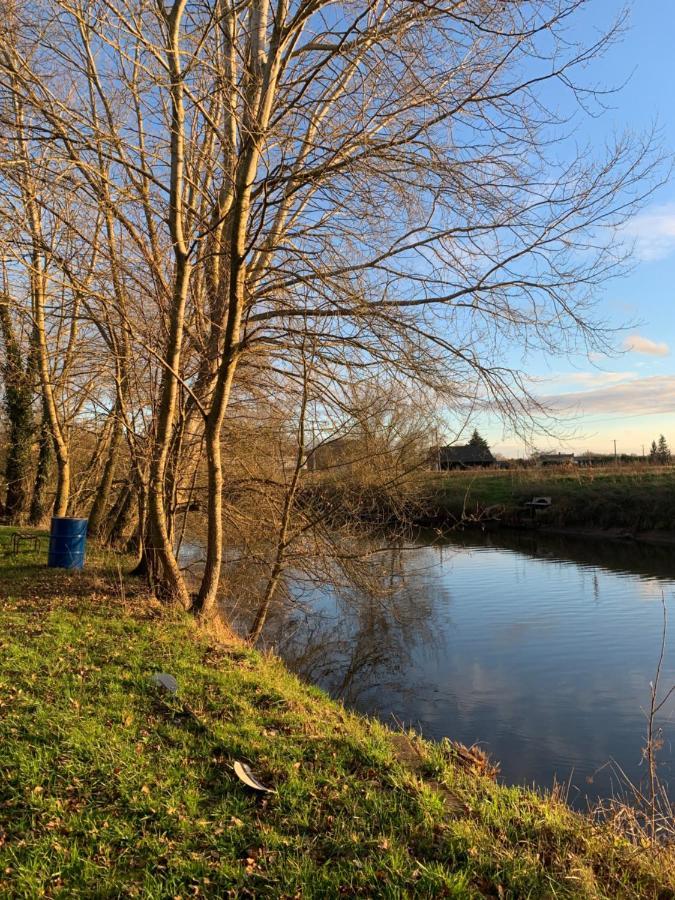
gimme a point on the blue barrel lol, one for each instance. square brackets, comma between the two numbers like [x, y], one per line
[67, 543]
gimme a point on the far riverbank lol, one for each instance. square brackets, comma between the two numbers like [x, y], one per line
[614, 503]
[618, 503]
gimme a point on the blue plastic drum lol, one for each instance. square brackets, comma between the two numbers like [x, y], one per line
[67, 543]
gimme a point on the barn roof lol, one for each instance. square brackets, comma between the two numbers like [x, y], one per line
[468, 453]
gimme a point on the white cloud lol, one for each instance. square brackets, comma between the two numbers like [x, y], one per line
[640, 396]
[595, 379]
[584, 379]
[653, 232]
[638, 344]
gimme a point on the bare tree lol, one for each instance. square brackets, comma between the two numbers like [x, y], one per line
[383, 178]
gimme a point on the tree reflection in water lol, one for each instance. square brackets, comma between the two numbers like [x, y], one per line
[353, 641]
[540, 647]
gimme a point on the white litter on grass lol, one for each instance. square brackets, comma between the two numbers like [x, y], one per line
[167, 682]
[244, 773]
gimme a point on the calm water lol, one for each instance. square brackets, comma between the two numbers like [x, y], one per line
[540, 649]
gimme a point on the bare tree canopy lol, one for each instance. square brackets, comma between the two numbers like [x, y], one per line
[219, 192]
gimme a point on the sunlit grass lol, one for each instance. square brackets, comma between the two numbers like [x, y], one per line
[108, 789]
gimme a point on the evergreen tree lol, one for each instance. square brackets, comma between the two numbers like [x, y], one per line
[653, 452]
[663, 452]
[18, 403]
[478, 442]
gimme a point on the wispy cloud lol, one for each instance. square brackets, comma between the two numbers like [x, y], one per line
[587, 379]
[640, 396]
[639, 344]
[653, 232]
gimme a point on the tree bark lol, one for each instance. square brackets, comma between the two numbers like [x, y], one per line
[58, 438]
[120, 517]
[166, 572]
[101, 500]
[39, 507]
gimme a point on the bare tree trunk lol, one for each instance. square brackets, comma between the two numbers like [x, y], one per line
[145, 567]
[102, 498]
[260, 82]
[170, 580]
[208, 593]
[205, 603]
[39, 507]
[119, 516]
[60, 445]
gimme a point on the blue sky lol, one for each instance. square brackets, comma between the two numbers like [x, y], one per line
[628, 397]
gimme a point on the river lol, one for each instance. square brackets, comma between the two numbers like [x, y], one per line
[539, 648]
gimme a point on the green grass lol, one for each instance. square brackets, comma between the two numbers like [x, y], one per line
[640, 498]
[108, 789]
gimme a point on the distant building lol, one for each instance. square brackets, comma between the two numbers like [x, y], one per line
[331, 454]
[469, 456]
[556, 459]
[587, 460]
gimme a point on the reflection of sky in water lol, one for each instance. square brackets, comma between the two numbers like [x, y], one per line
[529, 649]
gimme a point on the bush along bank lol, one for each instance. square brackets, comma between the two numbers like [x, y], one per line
[111, 787]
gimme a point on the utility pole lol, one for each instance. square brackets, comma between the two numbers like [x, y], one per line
[615, 458]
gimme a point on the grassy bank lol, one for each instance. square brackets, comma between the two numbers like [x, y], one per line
[109, 789]
[637, 499]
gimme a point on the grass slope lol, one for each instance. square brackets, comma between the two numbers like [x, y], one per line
[108, 789]
[640, 498]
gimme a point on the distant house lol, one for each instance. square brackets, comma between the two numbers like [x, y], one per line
[587, 460]
[556, 459]
[469, 456]
[331, 454]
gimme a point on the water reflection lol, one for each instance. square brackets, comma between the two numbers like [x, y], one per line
[355, 643]
[539, 647]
